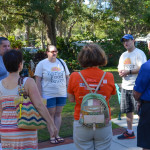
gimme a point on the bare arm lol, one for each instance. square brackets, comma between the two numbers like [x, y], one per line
[36, 99]
[38, 82]
[71, 97]
[136, 95]
[137, 98]
[67, 79]
[123, 73]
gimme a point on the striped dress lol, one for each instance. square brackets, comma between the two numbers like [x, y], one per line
[13, 138]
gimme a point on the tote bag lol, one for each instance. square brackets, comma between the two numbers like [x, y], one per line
[27, 115]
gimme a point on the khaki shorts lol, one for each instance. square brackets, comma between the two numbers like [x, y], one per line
[88, 139]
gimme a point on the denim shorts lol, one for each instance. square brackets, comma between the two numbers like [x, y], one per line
[56, 101]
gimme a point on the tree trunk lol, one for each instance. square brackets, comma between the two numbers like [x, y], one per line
[42, 38]
[6, 33]
[70, 29]
[27, 33]
[51, 31]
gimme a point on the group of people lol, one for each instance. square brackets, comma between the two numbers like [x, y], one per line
[52, 82]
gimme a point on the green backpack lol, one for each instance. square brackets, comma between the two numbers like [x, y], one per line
[94, 109]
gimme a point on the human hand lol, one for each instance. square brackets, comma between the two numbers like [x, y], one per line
[52, 130]
[123, 73]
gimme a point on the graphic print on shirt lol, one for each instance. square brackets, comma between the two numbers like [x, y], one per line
[93, 84]
[56, 75]
[128, 65]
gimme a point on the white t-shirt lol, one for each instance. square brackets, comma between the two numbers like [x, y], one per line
[129, 61]
[53, 78]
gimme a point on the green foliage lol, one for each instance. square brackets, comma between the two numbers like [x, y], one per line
[68, 53]
[143, 46]
[131, 15]
[27, 57]
[113, 50]
[15, 44]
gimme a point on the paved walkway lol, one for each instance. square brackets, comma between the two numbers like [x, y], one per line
[129, 144]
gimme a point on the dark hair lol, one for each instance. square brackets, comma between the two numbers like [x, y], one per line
[92, 55]
[3, 39]
[12, 59]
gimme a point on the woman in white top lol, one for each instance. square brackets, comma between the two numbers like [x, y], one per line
[52, 77]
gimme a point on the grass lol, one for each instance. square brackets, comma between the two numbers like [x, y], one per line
[67, 114]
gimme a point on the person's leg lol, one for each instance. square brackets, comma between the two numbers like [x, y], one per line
[60, 102]
[129, 120]
[131, 106]
[127, 106]
[57, 117]
[51, 106]
[52, 112]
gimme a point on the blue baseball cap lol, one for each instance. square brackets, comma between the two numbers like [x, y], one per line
[127, 36]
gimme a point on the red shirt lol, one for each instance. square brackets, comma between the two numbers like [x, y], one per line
[92, 76]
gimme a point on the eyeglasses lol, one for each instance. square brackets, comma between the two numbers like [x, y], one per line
[53, 52]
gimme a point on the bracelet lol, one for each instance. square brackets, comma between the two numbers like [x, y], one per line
[130, 72]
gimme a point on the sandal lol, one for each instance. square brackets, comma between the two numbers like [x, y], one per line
[54, 141]
[60, 139]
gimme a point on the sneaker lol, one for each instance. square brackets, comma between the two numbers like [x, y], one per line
[126, 135]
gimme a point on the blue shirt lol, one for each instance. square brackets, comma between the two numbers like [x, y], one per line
[142, 83]
[3, 71]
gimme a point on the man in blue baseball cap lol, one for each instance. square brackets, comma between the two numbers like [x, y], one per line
[129, 65]
[127, 36]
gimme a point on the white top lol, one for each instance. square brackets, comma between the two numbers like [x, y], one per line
[129, 61]
[7, 97]
[7, 92]
[53, 78]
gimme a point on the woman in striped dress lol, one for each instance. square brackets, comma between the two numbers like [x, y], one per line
[13, 138]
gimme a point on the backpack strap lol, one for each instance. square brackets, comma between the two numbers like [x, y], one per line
[90, 89]
[100, 82]
[62, 64]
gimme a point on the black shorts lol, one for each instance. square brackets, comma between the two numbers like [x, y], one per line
[128, 103]
[143, 129]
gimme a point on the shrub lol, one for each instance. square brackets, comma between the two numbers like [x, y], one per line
[15, 44]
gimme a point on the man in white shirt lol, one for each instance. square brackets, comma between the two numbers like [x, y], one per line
[129, 65]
